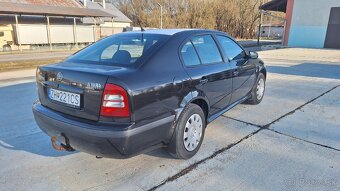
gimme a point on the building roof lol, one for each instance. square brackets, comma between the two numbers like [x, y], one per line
[110, 8]
[58, 3]
[32, 9]
[275, 5]
[120, 17]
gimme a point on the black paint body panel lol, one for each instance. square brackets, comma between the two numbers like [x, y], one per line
[159, 86]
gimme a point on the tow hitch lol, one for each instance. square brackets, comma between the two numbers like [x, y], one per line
[62, 147]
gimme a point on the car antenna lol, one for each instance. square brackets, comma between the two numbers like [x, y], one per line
[141, 28]
[140, 25]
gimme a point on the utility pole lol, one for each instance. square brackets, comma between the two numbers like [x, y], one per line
[161, 22]
[260, 27]
[104, 4]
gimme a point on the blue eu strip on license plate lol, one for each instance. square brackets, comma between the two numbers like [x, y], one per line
[68, 98]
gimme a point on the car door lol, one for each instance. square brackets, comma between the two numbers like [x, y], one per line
[243, 68]
[210, 75]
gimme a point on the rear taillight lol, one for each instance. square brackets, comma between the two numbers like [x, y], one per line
[39, 75]
[115, 102]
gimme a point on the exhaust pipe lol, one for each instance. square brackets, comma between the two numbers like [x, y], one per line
[61, 147]
[55, 145]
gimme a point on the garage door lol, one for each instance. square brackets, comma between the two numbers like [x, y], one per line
[333, 30]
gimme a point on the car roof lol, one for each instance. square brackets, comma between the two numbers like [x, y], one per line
[170, 32]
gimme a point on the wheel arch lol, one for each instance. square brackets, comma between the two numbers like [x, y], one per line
[263, 70]
[197, 98]
[202, 103]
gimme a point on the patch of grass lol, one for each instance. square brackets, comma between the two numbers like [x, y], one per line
[17, 65]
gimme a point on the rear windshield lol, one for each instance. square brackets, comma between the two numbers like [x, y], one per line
[119, 50]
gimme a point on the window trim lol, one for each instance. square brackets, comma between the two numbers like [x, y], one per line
[189, 39]
[199, 59]
[221, 48]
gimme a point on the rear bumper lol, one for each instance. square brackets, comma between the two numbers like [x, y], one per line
[106, 140]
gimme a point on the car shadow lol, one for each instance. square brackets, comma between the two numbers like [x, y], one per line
[18, 130]
[159, 153]
[329, 71]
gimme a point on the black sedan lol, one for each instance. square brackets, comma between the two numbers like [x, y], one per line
[136, 91]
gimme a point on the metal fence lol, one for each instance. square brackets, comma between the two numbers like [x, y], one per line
[271, 27]
[40, 37]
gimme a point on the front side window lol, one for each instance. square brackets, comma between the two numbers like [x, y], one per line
[124, 49]
[232, 50]
[189, 55]
[207, 49]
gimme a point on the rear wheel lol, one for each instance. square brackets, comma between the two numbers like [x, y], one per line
[189, 133]
[258, 90]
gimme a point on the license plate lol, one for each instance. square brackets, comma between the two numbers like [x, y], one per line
[68, 98]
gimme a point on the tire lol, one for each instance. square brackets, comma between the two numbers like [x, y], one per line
[7, 48]
[256, 95]
[184, 148]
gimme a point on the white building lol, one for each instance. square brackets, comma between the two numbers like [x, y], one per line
[309, 23]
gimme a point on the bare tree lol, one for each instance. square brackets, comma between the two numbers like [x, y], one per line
[239, 18]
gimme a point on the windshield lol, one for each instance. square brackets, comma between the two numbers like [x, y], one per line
[119, 50]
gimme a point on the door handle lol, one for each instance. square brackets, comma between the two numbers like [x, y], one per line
[204, 80]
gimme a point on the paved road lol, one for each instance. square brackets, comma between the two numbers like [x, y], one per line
[291, 141]
[33, 56]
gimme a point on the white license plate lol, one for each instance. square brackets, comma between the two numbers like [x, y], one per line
[68, 98]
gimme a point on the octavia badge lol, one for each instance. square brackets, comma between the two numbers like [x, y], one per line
[60, 76]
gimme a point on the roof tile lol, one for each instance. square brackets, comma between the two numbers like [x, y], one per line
[58, 3]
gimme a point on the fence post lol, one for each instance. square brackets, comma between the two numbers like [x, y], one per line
[17, 31]
[94, 29]
[270, 27]
[112, 25]
[75, 32]
[284, 33]
[49, 32]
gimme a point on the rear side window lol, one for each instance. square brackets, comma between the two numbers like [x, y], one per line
[189, 55]
[2, 34]
[232, 50]
[207, 49]
[119, 50]
[109, 51]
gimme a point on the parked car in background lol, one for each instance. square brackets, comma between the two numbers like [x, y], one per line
[140, 90]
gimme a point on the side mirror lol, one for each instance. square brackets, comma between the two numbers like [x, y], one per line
[253, 55]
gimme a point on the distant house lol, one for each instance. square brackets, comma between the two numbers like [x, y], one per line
[118, 23]
[309, 23]
[32, 23]
[119, 20]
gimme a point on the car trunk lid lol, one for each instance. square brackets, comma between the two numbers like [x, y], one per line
[74, 89]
